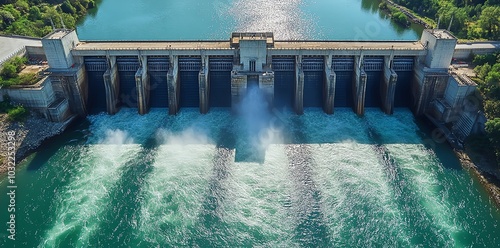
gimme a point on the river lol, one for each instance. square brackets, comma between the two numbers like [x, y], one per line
[256, 179]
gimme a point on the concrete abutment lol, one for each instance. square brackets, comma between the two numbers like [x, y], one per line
[173, 85]
[112, 86]
[329, 86]
[388, 86]
[299, 87]
[204, 86]
[142, 86]
[359, 86]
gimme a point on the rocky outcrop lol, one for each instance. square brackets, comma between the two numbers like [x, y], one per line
[29, 135]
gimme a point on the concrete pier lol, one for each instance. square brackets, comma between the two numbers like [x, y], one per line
[173, 85]
[71, 84]
[388, 86]
[299, 87]
[204, 81]
[112, 86]
[266, 85]
[238, 88]
[142, 86]
[252, 55]
[359, 85]
[430, 84]
[329, 86]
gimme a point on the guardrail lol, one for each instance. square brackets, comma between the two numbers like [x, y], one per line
[12, 55]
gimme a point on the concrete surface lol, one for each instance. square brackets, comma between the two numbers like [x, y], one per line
[10, 45]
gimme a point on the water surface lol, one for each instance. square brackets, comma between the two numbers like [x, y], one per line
[216, 19]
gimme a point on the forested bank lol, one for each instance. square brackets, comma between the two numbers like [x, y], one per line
[36, 17]
[467, 19]
[488, 78]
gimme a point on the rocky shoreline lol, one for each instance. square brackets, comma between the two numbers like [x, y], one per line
[488, 176]
[29, 135]
[413, 18]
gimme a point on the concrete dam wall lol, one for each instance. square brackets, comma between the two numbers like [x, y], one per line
[105, 76]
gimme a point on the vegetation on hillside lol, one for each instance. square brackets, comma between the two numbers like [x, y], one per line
[9, 74]
[14, 112]
[35, 17]
[488, 79]
[470, 19]
[395, 14]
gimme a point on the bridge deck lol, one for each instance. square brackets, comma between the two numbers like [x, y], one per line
[194, 48]
[196, 45]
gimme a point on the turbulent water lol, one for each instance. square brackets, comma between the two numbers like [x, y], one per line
[274, 180]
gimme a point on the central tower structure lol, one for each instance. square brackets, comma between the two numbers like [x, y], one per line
[252, 65]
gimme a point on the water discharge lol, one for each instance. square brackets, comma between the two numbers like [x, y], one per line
[159, 180]
[100, 168]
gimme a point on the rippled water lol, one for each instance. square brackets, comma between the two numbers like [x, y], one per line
[216, 19]
[206, 180]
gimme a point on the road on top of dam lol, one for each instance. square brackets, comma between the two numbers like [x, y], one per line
[191, 45]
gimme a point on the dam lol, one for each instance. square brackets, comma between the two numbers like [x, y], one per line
[105, 76]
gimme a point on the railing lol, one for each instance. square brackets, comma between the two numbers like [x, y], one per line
[313, 64]
[96, 66]
[403, 64]
[158, 66]
[373, 64]
[343, 64]
[189, 64]
[18, 52]
[283, 64]
[221, 64]
[128, 66]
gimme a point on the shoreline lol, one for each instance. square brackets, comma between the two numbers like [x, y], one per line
[412, 17]
[488, 177]
[30, 135]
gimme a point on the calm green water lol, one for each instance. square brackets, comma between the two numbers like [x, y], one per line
[216, 19]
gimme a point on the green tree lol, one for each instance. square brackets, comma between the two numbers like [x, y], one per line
[8, 71]
[7, 17]
[492, 109]
[493, 130]
[483, 70]
[490, 21]
[22, 6]
[66, 7]
[18, 113]
[34, 13]
[10, 8]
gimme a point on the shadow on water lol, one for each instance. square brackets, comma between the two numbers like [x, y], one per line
[433, 140]
[310, 230]
[211, 231]
[254, 118]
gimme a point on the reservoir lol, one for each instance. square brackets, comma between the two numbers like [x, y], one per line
[251, 178]
[216, 19]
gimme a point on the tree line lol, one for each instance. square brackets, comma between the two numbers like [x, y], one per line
[488, 78]
[36, 17]
[467, 19]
